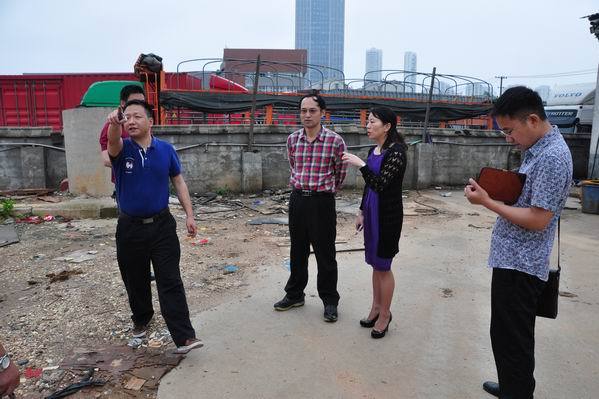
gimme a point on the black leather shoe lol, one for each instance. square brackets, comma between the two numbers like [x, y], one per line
[330, 313]
[491, 387]
[286, 303]
[380, 334]
[369, 323]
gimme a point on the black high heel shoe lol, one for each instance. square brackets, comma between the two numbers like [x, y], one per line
[369, 323]
[380, 334]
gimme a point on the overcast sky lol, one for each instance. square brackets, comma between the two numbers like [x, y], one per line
[476, 38]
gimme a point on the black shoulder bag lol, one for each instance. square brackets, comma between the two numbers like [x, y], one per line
[547, 306]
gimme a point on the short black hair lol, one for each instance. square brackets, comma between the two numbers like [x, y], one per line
[518, 102]
[147, 107]
[316, 97]
[126, 91]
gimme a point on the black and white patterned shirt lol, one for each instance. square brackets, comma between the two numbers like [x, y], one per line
[548, 168]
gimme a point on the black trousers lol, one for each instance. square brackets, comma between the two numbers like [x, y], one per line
[514, 298]
[313, 220]
[136, 245]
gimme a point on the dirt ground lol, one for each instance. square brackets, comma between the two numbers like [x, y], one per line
[64, 308]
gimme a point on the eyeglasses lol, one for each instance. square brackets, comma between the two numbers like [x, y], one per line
[309, 111]
[507, 132]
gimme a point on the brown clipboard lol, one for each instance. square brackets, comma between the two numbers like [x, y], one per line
[502, 185]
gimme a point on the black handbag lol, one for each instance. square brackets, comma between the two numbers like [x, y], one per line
[547, 305]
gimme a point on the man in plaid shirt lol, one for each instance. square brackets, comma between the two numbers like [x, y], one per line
[317, 172]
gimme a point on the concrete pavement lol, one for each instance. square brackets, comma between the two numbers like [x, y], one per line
[438, 344]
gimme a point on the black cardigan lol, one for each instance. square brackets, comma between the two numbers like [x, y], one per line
[388, 185]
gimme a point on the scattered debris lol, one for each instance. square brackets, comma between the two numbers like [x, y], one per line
[155, 343]
[47, 198]
[260, 221]
[447, 292]
[30, 219]
[86, 381]
[64, 185]
[92, 309]
[228, 269]
[567, 294]
[25, 192]
[31, 372]
[287, 242]
[63, 275]
[448, 194]
[338, 250]
[8, 235]
[201, 241]
[478, 227]
[134, 384]
[135, 343]
[52, 376]
[79, 256]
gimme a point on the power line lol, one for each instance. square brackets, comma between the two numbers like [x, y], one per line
[556, 75]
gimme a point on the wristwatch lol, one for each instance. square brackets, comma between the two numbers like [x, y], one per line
[4, 362]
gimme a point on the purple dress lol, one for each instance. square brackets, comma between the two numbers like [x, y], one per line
[371, 220]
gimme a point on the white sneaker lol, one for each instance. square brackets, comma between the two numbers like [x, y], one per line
[189, 345]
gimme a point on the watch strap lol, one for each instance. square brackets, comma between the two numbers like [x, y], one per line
[4, 359]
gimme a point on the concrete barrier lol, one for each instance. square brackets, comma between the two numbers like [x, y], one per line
[31, 158]
[215, 157]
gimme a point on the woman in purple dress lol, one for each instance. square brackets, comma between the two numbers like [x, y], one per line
[381, 211]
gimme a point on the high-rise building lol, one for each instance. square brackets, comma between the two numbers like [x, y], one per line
[477, 89]
[410, 65]
[374, 64]
[445, 89]
[319, 28]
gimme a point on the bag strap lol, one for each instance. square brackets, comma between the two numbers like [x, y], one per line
[559, 220]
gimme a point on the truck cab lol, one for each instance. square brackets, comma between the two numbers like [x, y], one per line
[570, 107]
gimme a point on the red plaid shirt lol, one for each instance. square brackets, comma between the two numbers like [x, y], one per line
[316, 166]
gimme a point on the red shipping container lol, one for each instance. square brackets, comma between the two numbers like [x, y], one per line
[39, 99]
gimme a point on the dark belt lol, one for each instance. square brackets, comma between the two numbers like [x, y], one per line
[310, 193]
[148, 220]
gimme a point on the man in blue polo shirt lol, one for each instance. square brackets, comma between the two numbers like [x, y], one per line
[146, 231]
[522, 238]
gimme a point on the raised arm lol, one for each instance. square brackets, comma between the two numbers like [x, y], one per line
[115, 141]
[532, 218]
[393, 167]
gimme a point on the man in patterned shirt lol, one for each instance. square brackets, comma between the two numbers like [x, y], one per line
[523, 237]
[317, 172]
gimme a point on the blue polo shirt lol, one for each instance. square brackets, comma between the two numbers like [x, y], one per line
[142, 177]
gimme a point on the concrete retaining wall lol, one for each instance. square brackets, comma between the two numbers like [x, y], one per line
[215, 157]
[31, 158]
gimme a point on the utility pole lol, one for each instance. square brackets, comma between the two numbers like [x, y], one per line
[593, 168]
[253, 112]
[426, 138]
[500, 83]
